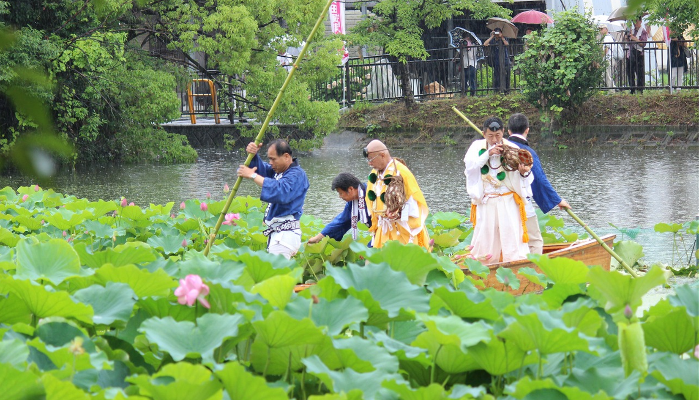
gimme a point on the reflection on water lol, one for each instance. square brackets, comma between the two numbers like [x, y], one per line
[628, 188]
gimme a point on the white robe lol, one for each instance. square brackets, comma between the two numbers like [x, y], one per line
[498, 230]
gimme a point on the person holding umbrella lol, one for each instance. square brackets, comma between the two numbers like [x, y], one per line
[500, 57]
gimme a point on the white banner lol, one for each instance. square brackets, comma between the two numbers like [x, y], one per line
[337, 24]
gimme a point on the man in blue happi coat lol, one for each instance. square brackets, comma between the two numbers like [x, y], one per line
[284, 185]
[543, 193]
[351, 190]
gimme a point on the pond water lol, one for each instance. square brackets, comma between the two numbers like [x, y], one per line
[626, 187]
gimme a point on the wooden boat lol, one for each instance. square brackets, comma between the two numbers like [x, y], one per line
[590, 252]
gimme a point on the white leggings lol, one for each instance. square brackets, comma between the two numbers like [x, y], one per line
[676, 77]
[286, 243]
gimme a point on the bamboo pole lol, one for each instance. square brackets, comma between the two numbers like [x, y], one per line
[568, 210]
[265, 124]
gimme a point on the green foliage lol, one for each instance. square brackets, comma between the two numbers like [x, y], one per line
[104, 322]
[562, 65]
[678, 15]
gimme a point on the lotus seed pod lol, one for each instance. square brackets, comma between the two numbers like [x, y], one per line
[632, 346]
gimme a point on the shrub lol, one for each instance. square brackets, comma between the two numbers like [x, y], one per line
[562, 65]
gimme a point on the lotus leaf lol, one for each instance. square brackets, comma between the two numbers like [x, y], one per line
[533, 276]
[282, 339]
[8, 238]
[447, 356]
[411, 259]
[42, 303]
[99, 229]
[125, 254]
[13, 310]
[346, 381]
[610, 381]
[663, 227]
[400, 349]
[369, 284]
[54, 261]
[209, 270]
[163, 307]
[142, 282]
[536, 329]
[581, 314]
[466, 305]
[670, 328]
[64, 358]
[547, 389]
[57, 389]
[111, 303]
[477, 268]
[448, 220]
[276, 290]
[242, 385]
[561, 269]
[687, 296]
[615, 291]
[629, 251]
[335, 314]
[19, 385]
[447, 239]
[66, 220]
[14, 352]
[181, 381]
[32, 224]
[377, 357]
[170, 244]
[183, 339]
[431, 392]
[259, 265]
[681, 376]
[462, 391]
[499, 357]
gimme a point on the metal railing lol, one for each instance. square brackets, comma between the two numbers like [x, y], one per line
[376, 78]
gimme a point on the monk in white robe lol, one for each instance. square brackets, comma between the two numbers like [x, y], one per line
[497, 198]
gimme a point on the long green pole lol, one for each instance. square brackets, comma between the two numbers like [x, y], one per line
[570, 212]
[265, 124]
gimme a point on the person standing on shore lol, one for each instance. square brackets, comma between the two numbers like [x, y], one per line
[542, 191]
[284, 185]
[497, 198]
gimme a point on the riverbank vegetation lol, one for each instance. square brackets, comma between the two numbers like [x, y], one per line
[394, 123]
[114, 300]
[105, 74]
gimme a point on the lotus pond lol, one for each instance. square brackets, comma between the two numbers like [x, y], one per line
[106, 300]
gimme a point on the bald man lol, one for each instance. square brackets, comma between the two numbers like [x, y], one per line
[407, 225]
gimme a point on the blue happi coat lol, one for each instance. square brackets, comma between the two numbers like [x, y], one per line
[337, 228]
[544, 194]
[284, 195]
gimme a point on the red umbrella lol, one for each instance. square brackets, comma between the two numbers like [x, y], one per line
[532, 17]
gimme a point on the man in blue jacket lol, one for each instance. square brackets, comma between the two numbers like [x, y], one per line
[353, 192]
[284, 185]
[544, 194]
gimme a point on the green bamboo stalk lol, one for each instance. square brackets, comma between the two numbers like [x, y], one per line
[570, 212]
[265, 124]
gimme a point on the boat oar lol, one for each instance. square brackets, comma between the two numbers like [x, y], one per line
[265, 124]
[570, 212]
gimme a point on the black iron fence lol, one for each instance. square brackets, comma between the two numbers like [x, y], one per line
[441, 75]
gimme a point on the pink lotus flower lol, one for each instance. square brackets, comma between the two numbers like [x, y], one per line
[203, 206]
[230, 217]
[124, 202]
[25, 197]
[208, 195]
[36, 188]
[696, 351]
[65, 234]
[172, 216]
[184, 243]
[628, 312]
[226, 189]
[132, 204]
[470, 247]
[192, 289]
[182, 206]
